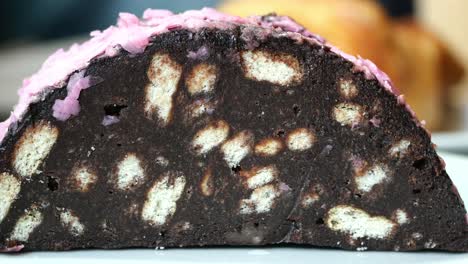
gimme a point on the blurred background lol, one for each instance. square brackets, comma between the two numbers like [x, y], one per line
[420, 43]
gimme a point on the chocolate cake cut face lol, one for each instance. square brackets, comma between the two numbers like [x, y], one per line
[204, 140]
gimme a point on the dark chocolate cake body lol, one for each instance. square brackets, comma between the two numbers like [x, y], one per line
[240, 135]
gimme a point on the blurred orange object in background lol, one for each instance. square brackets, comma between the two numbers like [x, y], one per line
[417, 61]
[428, 72]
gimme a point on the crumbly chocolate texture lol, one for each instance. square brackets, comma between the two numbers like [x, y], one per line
[282, 144]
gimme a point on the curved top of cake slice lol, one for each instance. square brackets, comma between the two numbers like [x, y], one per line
[133, 35]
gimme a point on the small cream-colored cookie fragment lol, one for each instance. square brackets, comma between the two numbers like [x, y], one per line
[199, 108]
[164, 74]
[161, 199]
[206, 184]
[9, 189]
[268, 147]
[347, 88]
[162, 161]
[33, 147]
[348, 114]
[417, 235]
[358, 223]
[261, 200]
[210, 137]
[278, 68]
[83, 178]
[130, 173]
[312, 195]
[237, 148]
[309, 199]
[300, 139]
[72, 223]
[201, 79]
[259, 176]
[399, 148]
[401, 216]
[430, 244]
[372, 176]
[26, 225]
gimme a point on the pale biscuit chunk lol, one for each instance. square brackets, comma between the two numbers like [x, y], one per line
[201, 79]
[83, 178]
[161, 199]
[259, 176]
[268, 147]
[300, 139]
[26, 224]
[400, 148]
[206, 184]
[130, 172]
[237, 148]
[164, 75]
[371, 177]
[261, 200]
[282, 69]
[72, 222]
[358, 223]
[347, 88]
[210, 137]
[9, 189]
[348, 114]
[33, 147]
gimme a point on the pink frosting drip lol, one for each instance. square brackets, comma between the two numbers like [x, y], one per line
[375, 121]
[70, 106]
[109, 120]
[284, 187]
[133, 35]
[17, 248]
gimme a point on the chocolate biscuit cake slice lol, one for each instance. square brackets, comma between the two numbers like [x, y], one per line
[203, 129]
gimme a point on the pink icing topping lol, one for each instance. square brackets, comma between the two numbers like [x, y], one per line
[375, 121]
[133, 35]
[70, 106]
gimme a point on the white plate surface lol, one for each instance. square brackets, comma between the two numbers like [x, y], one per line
[456, 167]
[452, 141]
